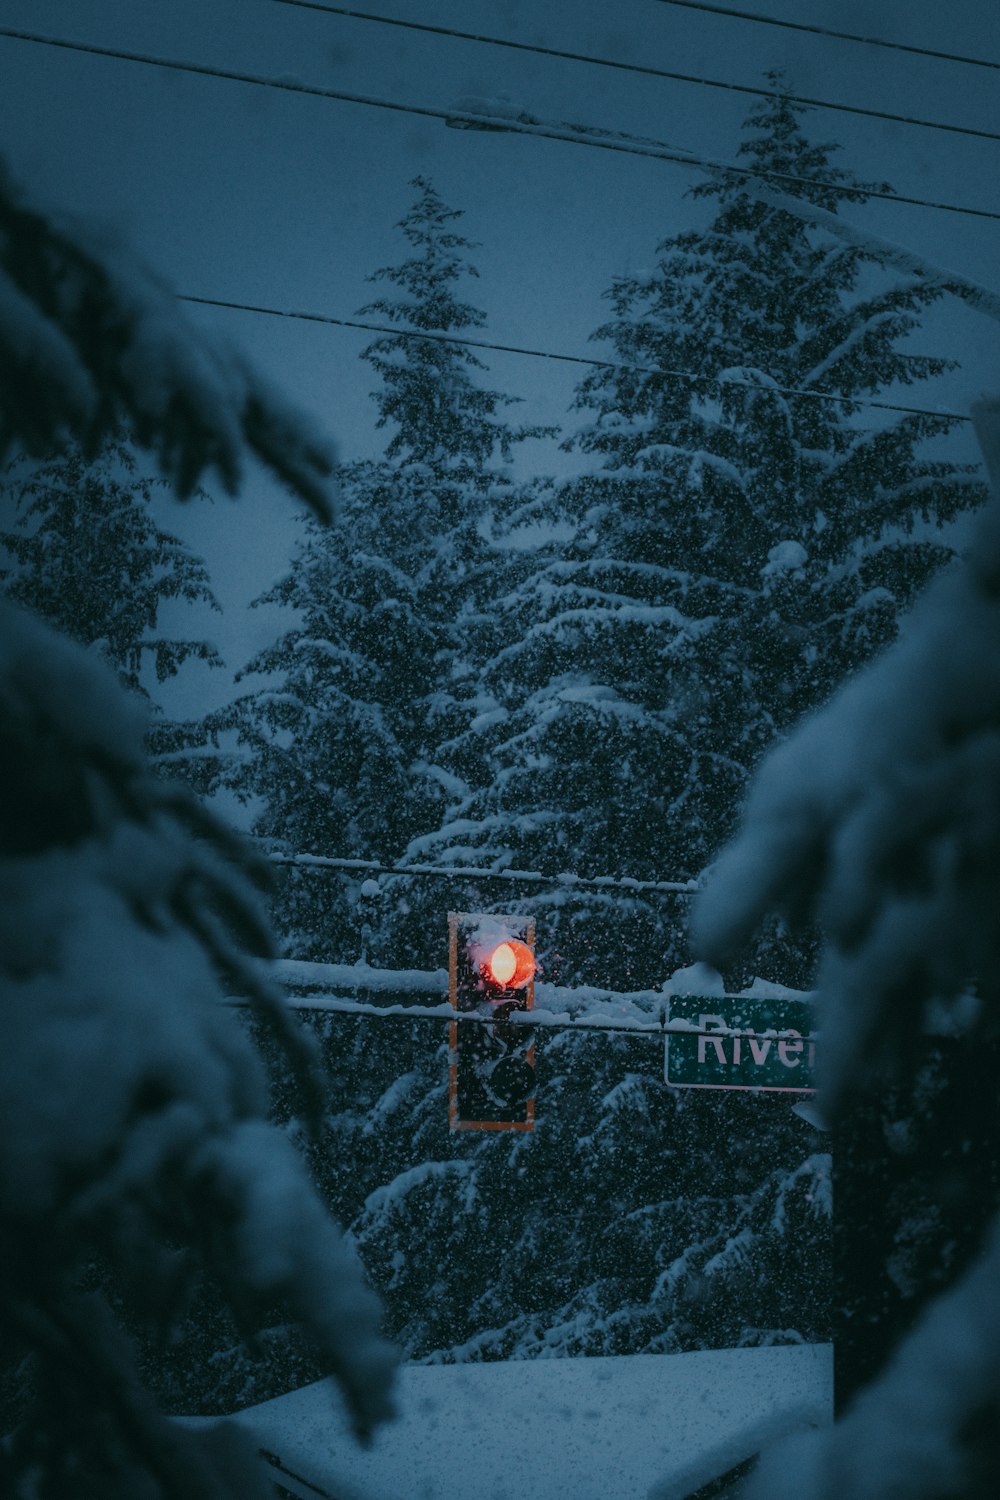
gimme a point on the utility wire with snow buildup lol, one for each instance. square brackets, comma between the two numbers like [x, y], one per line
[646, 69]
[517, 122]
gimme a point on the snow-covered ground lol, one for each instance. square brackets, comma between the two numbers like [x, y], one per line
[558, 1429]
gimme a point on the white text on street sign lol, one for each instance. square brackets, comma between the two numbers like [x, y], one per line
[740, 1042]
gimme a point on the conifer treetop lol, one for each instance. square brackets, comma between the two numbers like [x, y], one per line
[438, 261]
[761, 298]
[441, 417]
[776, 143]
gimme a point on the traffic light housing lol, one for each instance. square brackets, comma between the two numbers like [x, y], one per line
[491, 970]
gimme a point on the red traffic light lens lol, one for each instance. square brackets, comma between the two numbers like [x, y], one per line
[510, 966]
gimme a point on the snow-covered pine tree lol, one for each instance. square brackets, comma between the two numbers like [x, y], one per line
[132, 1102]
[736, 551]
[741, 545]
[86, 554]
[343, 741]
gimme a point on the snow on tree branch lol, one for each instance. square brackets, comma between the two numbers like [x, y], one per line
[882, 817]
[886, 252]
[91, 338]
[132, 1105]
[133, 1144]
[917, 1430]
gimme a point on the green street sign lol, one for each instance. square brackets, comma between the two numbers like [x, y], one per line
[776, 1050]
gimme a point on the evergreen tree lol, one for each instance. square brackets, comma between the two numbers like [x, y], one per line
[344, 742]
[88, 556]
[738, 550]
[442, 418]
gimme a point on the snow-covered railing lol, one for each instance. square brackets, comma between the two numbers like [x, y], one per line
[565, 880]
[319, 987]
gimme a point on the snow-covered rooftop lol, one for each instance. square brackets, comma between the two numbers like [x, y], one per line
[555, 1429]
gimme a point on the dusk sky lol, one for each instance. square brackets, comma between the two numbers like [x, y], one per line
[252, 194]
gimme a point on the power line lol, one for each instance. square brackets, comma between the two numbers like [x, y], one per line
[466, 872]
[592, 136]
[573, 359]
[452, 117]
[650, 72]
[842, 36]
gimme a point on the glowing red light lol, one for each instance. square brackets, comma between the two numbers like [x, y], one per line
[510, 966]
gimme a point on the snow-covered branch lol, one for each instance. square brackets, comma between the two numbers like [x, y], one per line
[92, 339]
[132, 1103]
[881, 817]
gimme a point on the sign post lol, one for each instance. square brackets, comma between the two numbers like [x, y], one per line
[741, 1042]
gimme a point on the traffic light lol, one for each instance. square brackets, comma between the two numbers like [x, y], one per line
[491, 1074]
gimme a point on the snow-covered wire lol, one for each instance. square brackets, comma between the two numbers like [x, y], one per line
[592, 136]
[630, 67]
[330, 988]
[361, 1010]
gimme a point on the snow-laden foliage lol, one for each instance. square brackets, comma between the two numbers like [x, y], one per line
[92, 340]
[87, 554]
[356, 742]
[133, 1146]
[333, 738]
[927, 1428]
[881, 816]
[736, 550]
[89, 557]
[635, 1219]
[132, 1105]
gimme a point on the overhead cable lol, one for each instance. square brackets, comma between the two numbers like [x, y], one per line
[572, 359]
[591, 136]
[758, 18]
[629, 67]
